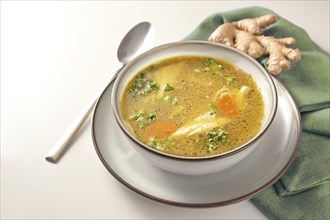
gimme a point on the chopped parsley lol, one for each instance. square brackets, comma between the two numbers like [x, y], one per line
[213, 109]
[162, 144]
[155, 144]
[152, 69]
[151, 117]
[142, 119]
[170, 100]
[142, 85]
[212, 139]
[153, 85]
[230, 80]
[168, 88]
[211, 66]
[138, 116]
[216, 136]
[208, 61]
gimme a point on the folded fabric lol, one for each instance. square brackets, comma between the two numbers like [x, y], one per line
[303, 192]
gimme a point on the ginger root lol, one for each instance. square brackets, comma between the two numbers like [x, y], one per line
[245, 35]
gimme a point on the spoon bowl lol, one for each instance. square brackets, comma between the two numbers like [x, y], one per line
[136, 41]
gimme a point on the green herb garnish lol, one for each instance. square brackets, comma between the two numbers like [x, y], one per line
[142, 85]
[142, 120]
[230, 80]
[213, 109]
[208, 61]
[211, 140]
[211, 147]
[217, 135]
[168, 88]
[170, 100]
[138, 116]
[151, 86]
[211, 66]
[155, 144]
[151, 117]
[162, 144]
[152, 69]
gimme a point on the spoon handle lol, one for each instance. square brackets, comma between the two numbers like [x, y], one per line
[57, 151]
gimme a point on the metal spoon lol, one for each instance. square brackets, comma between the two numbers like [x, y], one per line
[138, 40]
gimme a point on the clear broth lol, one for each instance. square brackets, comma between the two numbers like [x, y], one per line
[192, 106]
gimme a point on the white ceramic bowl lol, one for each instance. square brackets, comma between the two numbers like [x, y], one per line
[206, 164]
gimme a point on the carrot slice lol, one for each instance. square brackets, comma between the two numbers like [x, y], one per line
[159, 129]
[227, 106]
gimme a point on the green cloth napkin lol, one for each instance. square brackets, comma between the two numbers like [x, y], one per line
[303, 192]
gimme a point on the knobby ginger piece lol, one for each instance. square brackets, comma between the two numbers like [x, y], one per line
[245, 35]
[279, 54]
[229, 35]
[255, 25]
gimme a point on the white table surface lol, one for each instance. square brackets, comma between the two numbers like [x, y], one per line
[54, 57]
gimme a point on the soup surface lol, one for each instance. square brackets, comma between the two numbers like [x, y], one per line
[192, 106]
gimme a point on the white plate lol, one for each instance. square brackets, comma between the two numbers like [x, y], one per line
[259, 170]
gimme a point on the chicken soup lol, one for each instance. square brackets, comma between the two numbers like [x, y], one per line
[192, 106]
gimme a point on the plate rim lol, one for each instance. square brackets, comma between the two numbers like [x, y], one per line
[199, 205]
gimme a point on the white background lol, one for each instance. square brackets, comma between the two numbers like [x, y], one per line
[54, 57]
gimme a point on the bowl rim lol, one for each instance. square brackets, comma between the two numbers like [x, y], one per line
[187, 158]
